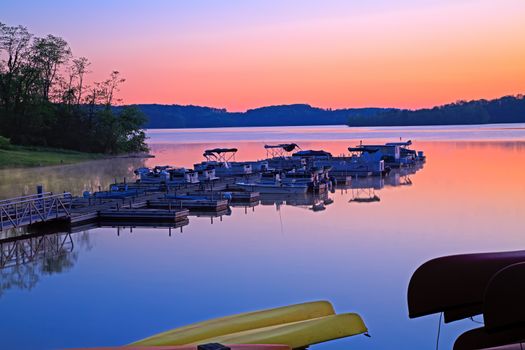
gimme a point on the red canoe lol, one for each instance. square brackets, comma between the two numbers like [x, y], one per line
[456, 285]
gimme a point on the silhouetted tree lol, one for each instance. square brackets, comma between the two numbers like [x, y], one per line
[42, 98]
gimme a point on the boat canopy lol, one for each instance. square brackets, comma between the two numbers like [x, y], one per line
[288, 147]
[407, 143]
[312, 153]
[363, 149]
[213, 151]
[377, 146]
[223, 155]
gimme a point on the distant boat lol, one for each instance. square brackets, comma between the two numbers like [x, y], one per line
[222, 160]
[272, 183]
[158, 174]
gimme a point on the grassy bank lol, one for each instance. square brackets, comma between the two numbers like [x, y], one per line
[18, 156]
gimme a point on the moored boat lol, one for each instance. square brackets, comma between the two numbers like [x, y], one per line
[223, 161]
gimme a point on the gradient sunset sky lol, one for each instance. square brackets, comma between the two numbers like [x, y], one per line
[245, 54]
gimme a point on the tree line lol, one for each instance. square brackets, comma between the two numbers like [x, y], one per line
[507, 109]
[45, 100]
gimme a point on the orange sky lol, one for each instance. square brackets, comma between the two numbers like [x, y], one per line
[328, 54]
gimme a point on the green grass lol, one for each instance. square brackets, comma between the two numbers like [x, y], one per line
[18, 156]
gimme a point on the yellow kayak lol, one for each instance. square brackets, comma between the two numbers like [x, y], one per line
[197, 332]
[298, 334]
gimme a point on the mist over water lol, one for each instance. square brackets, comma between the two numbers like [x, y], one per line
[110, 286]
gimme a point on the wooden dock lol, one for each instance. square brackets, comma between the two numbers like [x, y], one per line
[127, 203]
[126, 214]
[191, 204]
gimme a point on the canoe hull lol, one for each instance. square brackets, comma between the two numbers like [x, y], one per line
[197, 332]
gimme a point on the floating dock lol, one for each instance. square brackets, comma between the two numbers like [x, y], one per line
[143, 215]
[191, 204]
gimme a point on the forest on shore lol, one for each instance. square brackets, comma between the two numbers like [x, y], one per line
[507, 109]
[46, 102]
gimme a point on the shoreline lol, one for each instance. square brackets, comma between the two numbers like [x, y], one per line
[21, 157]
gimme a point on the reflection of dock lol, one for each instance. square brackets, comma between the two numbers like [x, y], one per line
[16, 252]
[129, 224]
[154, 215]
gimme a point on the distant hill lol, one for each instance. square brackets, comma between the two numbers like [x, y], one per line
[508, 109]
[177, 116]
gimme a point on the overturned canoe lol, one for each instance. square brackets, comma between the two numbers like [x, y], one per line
[455, 285]
[299, 334]
[197, 332]
[503, 312]
[195, 347]
[479, 338]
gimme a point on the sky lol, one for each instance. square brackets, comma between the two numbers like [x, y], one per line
[332, 54]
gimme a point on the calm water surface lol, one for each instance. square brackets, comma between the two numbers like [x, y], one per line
[110, 286]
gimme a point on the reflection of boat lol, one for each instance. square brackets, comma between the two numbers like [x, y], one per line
[363, 189]
[369, 199]
[375, 182]
[318, 207]
[401, 176]
[303, 200]
[297, 326]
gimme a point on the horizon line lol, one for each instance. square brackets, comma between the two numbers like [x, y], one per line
[516, 95]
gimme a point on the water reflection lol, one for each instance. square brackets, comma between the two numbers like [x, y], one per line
[25, 258]
[468, 198]
[74, 178]
[29, 256]
[24, 261]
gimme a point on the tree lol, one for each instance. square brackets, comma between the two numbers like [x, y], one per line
[48, 54]
[14, 53]
[80, 68]
[43, 98]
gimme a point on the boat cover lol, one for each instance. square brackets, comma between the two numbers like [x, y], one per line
[312, 153]
[406, 143]
[219, 150]
[363, 149]
[288, 147]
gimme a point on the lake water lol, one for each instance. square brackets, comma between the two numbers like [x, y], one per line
[110, 286]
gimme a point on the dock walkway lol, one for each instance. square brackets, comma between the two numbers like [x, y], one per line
[131, 203]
